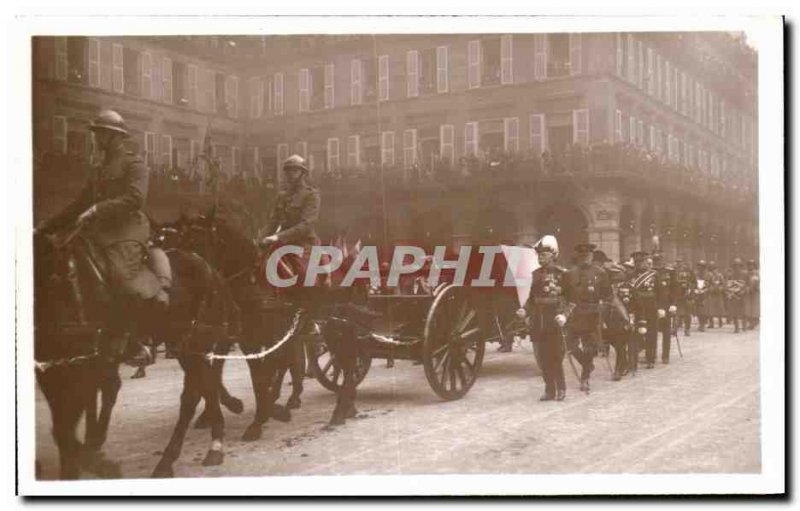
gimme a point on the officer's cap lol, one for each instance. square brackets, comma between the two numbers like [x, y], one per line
[585, 248]
[548, 243]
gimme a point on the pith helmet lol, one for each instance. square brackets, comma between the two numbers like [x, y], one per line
[109, 120]
[295, 161]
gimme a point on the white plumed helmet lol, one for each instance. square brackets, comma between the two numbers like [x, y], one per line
[548, 243]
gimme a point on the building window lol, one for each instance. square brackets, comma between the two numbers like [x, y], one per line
[387, 148]
[471, 139]
[659, 78]
[61, 58]
[558, 58]
[166, 151]
[281, 155]
[649, 76]
[191, 71]
[667, 84]
[507, 60]
[640, 65]
[675, 88]
[329, 92]
[353, 151]
[684, 97]
[60, 134]
[147, 75]
[652, 144]
[301, 149]
[620, 60]
[256, 88]
[632, 130]
[355, 81]
[409, 148]
[580, 127]
[131, 67]
[383, 78]
[316, 84]
[640, 133]
[210, 90]
[537, 142]
[118, 72]
[427, 68]
[232, 96]
[511, 134]
[722, 120]
[491, 61]
[193, 144]
[94, 62]
[412, 74]
[575, 60]
[150, 148]
[277, 84]
[698, 98]
[474, 64]
[539, 56]
[236, 160]
[631, 60]
[441, 69]
[166, 79]
[304, 90]
[267, 103]
[447, 150]
[618, 126]
[333, 154]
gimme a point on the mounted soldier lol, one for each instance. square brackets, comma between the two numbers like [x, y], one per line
[546, 314]
[109, 214]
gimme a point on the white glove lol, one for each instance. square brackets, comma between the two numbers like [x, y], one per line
[661, 314]
[87, 215]
[521, 313]
[269, 239]
[642, 330]
[561, 320]
[673, 309]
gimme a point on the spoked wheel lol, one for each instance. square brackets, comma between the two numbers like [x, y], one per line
[453, 347]
[327, 370]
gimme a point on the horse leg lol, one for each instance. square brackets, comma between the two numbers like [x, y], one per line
[298, 370]
[190, 397]
[212, 381]
[230, 402]
[64, 389]
[108, 384]
[260, 387]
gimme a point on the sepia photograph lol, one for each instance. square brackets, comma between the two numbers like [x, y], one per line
[484, 248]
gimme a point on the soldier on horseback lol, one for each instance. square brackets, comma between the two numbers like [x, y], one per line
[109, 213]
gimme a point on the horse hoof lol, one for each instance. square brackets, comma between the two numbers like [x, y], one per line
[202, 422]
[293, 403]
[336, 420]
[279, 413]
[234, 405]
[162, 471]
[95, 462]
[351, 413]
[252, 433]
[140, 373]
[213, 458]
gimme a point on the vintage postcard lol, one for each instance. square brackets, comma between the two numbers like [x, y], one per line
[401, 256]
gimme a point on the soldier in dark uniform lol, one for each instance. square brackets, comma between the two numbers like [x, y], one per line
[546, 314]
[615, 318]
[110, 212]
[752, 302]
[735, 292]
[643, 306]
[716, 295]
[666, 290]
[586, 288]
[700, 302]
[686, 283]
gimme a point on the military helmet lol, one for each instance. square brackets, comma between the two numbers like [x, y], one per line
[109, 120]
[548, 243]
[295, 161]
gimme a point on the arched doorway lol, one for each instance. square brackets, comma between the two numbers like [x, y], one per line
[567, 223]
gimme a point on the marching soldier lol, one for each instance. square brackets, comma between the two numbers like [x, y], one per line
[686, 282]
[735, 292]
[110, 213]
[587, 288]
[700, 301]
[753, 301]
[615, 318]
[716, 300]
[666, 293]
[546, 313]
[644, 308]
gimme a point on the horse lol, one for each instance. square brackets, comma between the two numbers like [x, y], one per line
[76, 352]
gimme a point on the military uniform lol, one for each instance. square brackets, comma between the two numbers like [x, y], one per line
[716, 298]
[752, 304]
[736, 292]
[587, 288]
[645, 311]
[666, 291]
[546, 301]
[616, 320]
[686, 283]
[700, 295]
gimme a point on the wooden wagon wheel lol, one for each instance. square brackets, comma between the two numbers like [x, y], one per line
[327, 370]
[453, 345]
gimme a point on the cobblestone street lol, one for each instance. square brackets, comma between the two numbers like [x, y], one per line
[697, 414]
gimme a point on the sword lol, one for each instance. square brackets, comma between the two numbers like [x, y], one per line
[677, 339]
[569, 355]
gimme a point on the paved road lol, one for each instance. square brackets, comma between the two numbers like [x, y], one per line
[697, 414]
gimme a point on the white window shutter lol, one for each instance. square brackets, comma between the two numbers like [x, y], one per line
[620, 60]
[383, 78]
[94, 62]
[650, 77]
[538, 138]
[441, 69]
[631, 75]
[118, 74]
[146, 63]
[412, 74]
[473, 64]
[446, 143]
[277, 84]
[471, 139]
[540, 56]
[355, 82]
[506, 60]
[511, 134]
[580, 127]
[329, 90]
[166, 80]
[575, 62]
[333, 154]
[409, 148]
